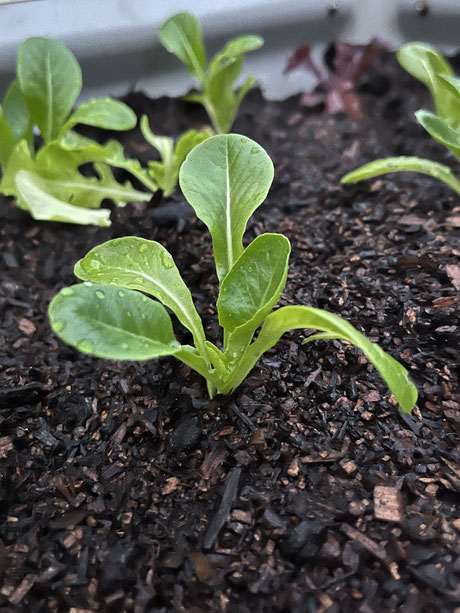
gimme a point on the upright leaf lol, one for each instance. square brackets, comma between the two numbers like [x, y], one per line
[45, 207]
[16, 113]
[295, 317]
[111, 323]
[424, 63]
[182, 35]
[235, 47]
[225, 179]
[254, 284]
[7, 141]
[188, 141]
[104, 113]
[50, 79]
[137, 263]
[19, 159]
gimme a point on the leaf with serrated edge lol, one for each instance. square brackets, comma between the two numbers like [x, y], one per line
[137, 263]
[43, 206]
[225, 179]
[295, 317]
[50, 79]
[108, 322]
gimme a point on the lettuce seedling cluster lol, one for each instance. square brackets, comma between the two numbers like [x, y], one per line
[443, 125]
[112, 314]
[46, 180]
[182, 36]
[166, 172]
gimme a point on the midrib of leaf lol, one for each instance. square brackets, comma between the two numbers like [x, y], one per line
[190, 52]
[92, 187]
[228, 211]
[162, 288]
[49, 95]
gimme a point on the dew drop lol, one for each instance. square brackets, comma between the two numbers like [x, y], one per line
[85, 346]
[124, 346]
[143, 248]
[250, 269]
[100, 294]
[166, 260]
[96, 264]
[67, 291]
[87, 283]
[121, 293]
[234, 354]
[59, 325]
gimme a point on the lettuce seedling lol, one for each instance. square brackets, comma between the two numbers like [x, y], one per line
[182, 36]
[166, 172]
[426, 64]
[46, 180]
[111, 314]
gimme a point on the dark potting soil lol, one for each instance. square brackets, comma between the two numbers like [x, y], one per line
[124, 489]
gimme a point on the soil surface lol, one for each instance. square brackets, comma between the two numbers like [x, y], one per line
[124, 489]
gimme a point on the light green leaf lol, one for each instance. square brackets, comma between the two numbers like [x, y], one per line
[50, 79]
[182, 36]
[235, 47]
[115, 157]
[111, 323]
[104, 113]
[424, 63]
[254, 284]
[222, 104]
[295, 317]
[16, 113]
[248, 84]
[225, 179]
[137, 263]
[43, 206]
[61, 165]
[403, 163]
[188, 141]
[7, 141]
[440, 131]
[19, 159]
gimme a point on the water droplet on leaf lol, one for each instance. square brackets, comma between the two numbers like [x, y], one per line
[95, 264]
[59, 325]
[166, 260]
[143, 248]
[67, 291]
[121, 293]
[85, 346]
[100, 294]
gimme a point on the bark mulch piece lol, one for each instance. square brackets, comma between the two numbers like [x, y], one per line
[124, 489]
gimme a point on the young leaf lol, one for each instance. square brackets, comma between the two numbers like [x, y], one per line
[19, 159]
[403, 163]
[166, 172]
[295, 317]
[137, 263]
[425, 64]
[50, 79]
[111, 323]
[16, 113]
[440, 131]
[234, 48]
[182, 35]
[188, 141]
[43, 206]
[104, 113]
[7, 141]
[225, 179]
[254, 284]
